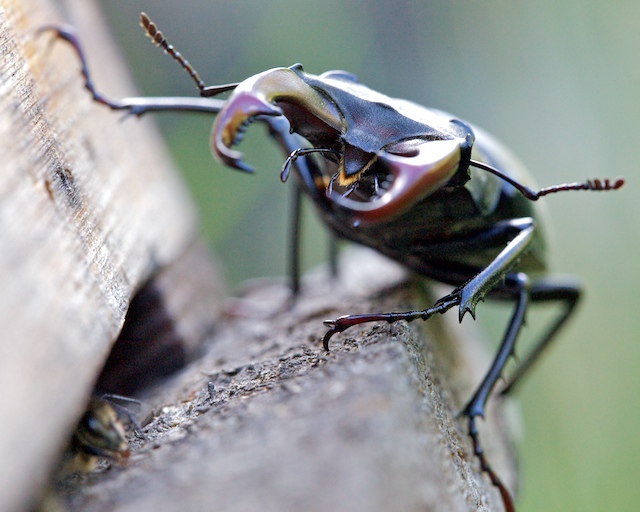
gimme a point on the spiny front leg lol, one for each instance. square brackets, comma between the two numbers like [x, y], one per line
[345, 322]
[476, 289]
[518, 285]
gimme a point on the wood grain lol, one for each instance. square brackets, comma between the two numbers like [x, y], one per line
[267, 420]
[90, 208]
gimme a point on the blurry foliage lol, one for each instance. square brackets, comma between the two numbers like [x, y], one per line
[558, 82]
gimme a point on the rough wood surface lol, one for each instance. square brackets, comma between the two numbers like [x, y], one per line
[266, 420]
[89, 208]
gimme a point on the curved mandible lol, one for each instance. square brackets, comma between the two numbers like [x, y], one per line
[415, 176]
[260, 95]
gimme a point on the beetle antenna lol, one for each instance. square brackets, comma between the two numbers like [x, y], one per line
[158, 39]
[123, 410]
[595, 184]
[297, 154]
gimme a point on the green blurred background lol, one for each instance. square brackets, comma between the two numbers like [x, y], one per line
[557, 81]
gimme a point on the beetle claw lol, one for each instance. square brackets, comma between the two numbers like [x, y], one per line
[465, 301]
[467, 308]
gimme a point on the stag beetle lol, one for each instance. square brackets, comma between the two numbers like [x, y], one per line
[421, 186]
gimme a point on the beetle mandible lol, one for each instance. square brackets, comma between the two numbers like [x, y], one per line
[419, 185]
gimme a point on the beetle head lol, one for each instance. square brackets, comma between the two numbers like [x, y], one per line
[381, 155]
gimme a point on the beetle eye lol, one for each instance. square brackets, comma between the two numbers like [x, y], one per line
[406, 148]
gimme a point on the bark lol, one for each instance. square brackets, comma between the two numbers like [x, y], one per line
[267, 420]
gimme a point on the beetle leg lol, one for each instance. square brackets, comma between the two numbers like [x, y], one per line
[475, 290]
[343, 323]
[133, 106]
[307, 168]
[519, 284]
[545, 290]
[516, 285]
[294, 241]
[466, 296]
[333, 256]
[497, 235]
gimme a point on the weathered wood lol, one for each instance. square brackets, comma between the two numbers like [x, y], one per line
[90, 208]
[266, 420]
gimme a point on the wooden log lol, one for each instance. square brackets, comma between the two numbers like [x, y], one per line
[90, 209]
[267, 420]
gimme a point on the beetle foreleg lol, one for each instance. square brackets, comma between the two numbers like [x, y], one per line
[475, 290]
[343, 323]
[516, 284]
[137, 105]
[466, 296]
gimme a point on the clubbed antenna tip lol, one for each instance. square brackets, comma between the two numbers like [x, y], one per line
[158, 39]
